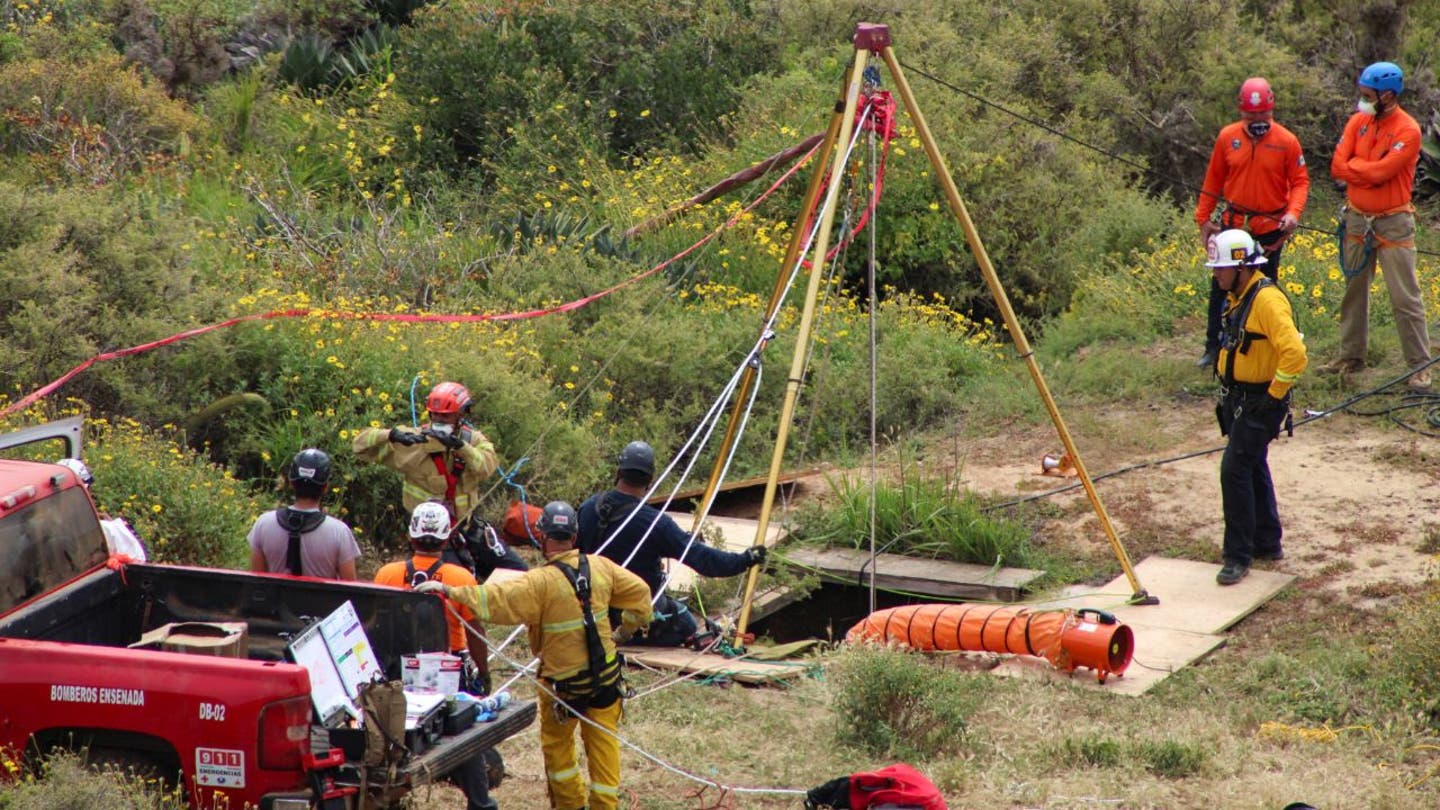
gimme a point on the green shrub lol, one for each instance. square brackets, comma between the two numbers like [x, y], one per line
[186, 509]
[89, 122]
[894, 704]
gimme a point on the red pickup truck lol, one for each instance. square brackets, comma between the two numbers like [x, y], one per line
[234, 732]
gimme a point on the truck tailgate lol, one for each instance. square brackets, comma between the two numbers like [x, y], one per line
[449, 752]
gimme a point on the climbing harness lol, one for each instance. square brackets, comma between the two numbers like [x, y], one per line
[297, 522]
[601, 684]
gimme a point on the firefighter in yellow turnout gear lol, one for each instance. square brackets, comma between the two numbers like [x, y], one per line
[1261, 357]
[447, 460]
[565, 606]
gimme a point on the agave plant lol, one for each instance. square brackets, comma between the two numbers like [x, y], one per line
[1427, 175]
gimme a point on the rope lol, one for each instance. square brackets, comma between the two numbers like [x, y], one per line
[1433, 417]
[1115, 156]
[542, 686]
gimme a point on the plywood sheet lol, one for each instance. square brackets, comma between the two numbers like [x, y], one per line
[710, 664]
[1159, 652]
[929, 577]
[1179, 631]
[1190, 599]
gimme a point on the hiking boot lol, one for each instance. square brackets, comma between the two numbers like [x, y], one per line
[1207, 360]
[1342, 366]
[1419, 381]
[1270, 556]
[1231, 573]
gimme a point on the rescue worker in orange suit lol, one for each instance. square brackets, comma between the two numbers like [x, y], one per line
[1261, 357]
[429, 533]
[445, 460]
[1257, 170]
[1375, 161]
[565, 606]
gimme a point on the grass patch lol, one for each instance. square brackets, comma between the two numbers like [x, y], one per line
[921, 514]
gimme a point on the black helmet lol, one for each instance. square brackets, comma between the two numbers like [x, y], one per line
[311, 466]
[558, 520]
[637, 457]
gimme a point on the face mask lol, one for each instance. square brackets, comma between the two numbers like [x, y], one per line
[1257, 129]
[442, 429]
[1366, 107]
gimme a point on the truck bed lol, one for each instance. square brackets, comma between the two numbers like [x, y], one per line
[113, 608]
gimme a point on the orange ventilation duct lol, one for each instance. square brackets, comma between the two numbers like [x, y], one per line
[1068, 639]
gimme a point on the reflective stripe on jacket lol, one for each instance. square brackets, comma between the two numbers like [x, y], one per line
[543, 600]
[423, 482]
[1280, 358]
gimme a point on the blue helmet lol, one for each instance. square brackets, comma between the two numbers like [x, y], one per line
[1383, 76]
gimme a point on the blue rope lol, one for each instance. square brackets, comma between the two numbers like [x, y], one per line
[509, 478]
[414, 416]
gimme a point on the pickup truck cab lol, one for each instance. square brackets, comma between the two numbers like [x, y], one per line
[232, 731]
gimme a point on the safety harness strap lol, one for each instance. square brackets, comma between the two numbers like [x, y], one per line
[1234, 337]
[600, 673]
[428, 574]
[297, 522]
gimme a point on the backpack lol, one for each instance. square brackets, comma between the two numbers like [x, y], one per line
[897, 787]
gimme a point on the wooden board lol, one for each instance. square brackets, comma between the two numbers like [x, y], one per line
[929, 577]
[732, 486]
[1179, 631]
[1159, 653]
[1191, 600]
[712, 665]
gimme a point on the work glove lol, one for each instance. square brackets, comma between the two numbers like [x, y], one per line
[433, 586]
[755, 555]
[406, 437]
[450, 440]
[475, 680]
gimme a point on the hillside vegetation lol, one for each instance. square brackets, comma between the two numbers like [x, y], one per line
[350, 169]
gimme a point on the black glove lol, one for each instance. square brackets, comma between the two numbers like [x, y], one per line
[755, 555]
[406, 437]
[450, 440]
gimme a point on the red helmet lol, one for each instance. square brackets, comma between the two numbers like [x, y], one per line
[448, 398]
[1256, 95]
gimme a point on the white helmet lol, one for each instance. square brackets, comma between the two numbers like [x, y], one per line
[430, 520]
[1233, 248]
[78, 467]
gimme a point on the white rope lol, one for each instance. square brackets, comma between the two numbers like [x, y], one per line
[710, 421]
[542, 686]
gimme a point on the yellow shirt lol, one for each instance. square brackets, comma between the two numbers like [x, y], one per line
[1280, 358]
[545, 602]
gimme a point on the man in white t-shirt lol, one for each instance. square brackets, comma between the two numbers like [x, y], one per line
[301, 539]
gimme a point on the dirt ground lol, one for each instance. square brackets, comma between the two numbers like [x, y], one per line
[1358, 499]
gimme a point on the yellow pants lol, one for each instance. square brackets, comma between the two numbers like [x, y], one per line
[602, 751]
